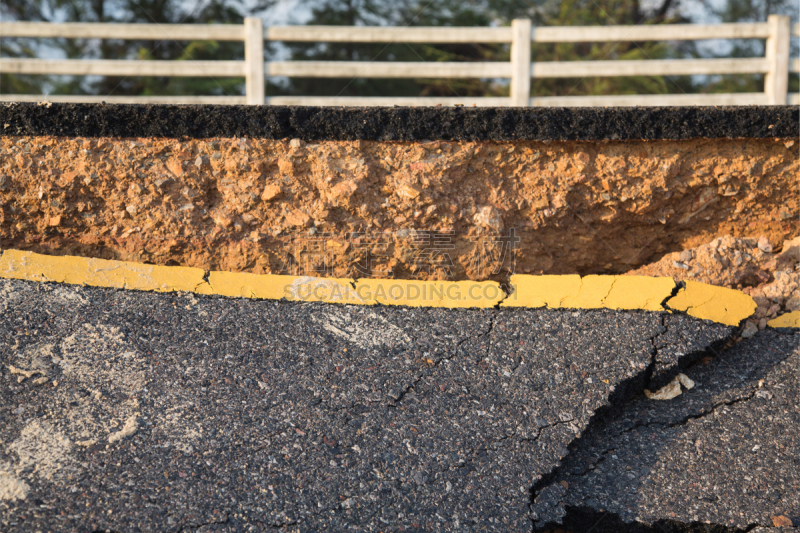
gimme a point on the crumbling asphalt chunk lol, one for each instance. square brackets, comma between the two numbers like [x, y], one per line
[174, 412]
[725, 455]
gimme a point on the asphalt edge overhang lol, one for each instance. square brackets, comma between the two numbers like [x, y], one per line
[399, 123]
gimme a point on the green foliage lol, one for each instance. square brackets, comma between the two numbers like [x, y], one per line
[497, 12]
[130, 11]
[748, 11]
[399, 14]
[610, 12]
[396, 13]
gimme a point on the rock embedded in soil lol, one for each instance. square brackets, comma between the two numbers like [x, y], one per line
[424, 210]
[749, 264]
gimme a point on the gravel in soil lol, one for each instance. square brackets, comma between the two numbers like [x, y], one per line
[417, 210]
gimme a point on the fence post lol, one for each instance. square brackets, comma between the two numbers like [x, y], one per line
[776, 82]
[520, 62]
[254, 60]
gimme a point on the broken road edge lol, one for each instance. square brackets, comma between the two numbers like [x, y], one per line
[618, 292]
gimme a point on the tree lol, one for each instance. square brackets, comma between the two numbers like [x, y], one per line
[483, 13]
[398, 13]
[136, 11]
[542, 13]
[746, 11]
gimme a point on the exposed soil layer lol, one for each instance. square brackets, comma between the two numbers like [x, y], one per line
[427, 210]
[771, 275]
[400, 123]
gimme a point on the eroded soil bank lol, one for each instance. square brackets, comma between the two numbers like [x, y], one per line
[431, 210]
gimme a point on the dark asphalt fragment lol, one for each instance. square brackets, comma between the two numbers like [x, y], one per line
[400, 123]
[171, 412]
[725, 454]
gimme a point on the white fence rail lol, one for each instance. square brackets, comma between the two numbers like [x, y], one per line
[775, 65]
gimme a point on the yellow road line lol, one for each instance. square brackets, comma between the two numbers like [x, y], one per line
[590, 292]
[788, 320]
[275, 287]
[719, 304]
[709, 302]
[416, 293]
[17, 264]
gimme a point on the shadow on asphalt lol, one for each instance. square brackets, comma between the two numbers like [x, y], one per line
[609, 478]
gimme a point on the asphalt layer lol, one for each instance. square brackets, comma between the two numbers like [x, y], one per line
[724, 456]
[400, 123]
[684, 342]
[170, 412]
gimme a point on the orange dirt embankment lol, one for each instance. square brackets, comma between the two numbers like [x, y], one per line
[361, 208]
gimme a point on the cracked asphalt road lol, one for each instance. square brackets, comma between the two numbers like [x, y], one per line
[130, 411]
[725, 454]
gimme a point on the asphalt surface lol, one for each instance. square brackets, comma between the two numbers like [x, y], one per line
[400, 123]
[726, 453]
[170, 412]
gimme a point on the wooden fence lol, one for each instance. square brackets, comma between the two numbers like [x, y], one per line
[776, 64]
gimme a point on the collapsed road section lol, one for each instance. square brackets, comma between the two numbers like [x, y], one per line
[137, 411]
[255, 318]
[154, 409]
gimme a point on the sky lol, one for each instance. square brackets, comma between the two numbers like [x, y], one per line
[294, 12]
[288, 12]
